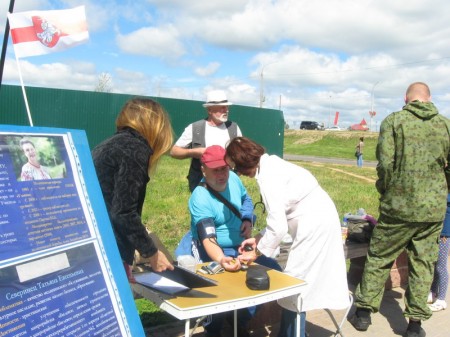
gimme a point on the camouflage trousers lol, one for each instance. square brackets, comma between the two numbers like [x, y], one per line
[389, 240]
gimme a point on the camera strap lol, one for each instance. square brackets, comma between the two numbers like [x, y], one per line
[221, 199]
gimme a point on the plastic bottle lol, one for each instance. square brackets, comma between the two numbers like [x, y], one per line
[344, 229]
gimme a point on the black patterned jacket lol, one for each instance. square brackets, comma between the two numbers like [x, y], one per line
[121, 163]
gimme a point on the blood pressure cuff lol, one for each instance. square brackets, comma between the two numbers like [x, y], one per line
[206, 229]
[257, 278]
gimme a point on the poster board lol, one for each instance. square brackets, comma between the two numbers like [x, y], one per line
[60, 270]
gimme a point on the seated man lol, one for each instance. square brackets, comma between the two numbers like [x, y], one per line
[217, 229]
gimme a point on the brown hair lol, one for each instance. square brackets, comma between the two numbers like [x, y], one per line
[151, 120]
[244, 152]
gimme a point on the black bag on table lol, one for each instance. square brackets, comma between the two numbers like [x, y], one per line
[257, 278]
[359, 230]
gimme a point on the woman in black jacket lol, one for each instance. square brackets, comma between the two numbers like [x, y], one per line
[123, 164]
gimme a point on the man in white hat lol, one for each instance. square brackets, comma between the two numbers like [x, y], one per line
[213, 130]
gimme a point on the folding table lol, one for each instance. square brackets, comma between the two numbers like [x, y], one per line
[230, 294]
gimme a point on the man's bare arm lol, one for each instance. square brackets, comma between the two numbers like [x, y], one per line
[178, 152]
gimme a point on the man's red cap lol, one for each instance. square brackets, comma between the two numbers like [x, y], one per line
[214, 157]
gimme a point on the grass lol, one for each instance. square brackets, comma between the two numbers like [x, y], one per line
[166, 212]
[331, 144]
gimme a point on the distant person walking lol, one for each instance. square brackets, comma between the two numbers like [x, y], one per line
[359, 152]
[413, 151]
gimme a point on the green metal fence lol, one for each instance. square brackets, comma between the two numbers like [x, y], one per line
[95, 112]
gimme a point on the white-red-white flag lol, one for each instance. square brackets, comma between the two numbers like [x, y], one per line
[42, 32]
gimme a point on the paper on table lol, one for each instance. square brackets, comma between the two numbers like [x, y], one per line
[159, 282]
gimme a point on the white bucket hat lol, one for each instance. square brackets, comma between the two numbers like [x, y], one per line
[216, 97]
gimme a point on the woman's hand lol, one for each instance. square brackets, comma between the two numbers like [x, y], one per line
[247, 251]
[159, 262]
[248, 242]
[129, 272]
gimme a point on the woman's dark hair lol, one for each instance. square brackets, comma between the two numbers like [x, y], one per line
[244, 152]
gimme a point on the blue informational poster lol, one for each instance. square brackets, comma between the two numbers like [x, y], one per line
[60, 271]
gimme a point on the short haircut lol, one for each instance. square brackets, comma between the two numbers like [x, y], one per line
[244, 152]
[419, 91]
[24, 141]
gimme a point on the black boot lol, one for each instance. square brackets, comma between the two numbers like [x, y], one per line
[414, 329]
[361, 319]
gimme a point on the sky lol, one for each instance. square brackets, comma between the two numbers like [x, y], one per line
[309, 59]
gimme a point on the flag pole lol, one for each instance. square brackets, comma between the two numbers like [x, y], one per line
[23, 91]
[5, 43]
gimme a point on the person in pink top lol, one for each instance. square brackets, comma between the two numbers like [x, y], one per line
[32, 170]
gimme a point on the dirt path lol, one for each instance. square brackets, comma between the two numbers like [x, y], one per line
[370, 180]
[319, 161]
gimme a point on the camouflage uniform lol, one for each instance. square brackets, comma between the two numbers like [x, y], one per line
[412, 152]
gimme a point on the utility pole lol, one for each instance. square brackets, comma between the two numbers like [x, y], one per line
[261, 88]
[329, 115]
[262, 98]
[371, 112]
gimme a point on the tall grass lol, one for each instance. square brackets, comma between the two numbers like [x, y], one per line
[166, 211]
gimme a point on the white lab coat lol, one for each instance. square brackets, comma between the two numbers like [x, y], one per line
[297, 205]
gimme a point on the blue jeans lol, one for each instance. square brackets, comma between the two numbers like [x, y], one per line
[288, 324]
[213, 324]
[359, 160]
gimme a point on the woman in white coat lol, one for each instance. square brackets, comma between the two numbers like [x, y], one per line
[296, 204]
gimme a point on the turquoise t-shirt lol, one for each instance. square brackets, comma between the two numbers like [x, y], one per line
[203, 205]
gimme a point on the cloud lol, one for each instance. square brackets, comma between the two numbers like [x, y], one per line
[69, 75]
[161, 42]
[200, 8]
[311, 58]
[208, 70]
[19, 6]
[131, 82]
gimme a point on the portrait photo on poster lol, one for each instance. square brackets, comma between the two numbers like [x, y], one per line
[37, 157]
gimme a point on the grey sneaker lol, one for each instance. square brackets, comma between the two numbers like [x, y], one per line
[360, 323]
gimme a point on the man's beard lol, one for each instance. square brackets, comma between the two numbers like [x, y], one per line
[223, 118]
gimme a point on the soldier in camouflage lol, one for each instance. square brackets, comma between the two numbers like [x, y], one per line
[413, 179]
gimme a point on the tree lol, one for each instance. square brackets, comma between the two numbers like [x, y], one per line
[104, 83]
